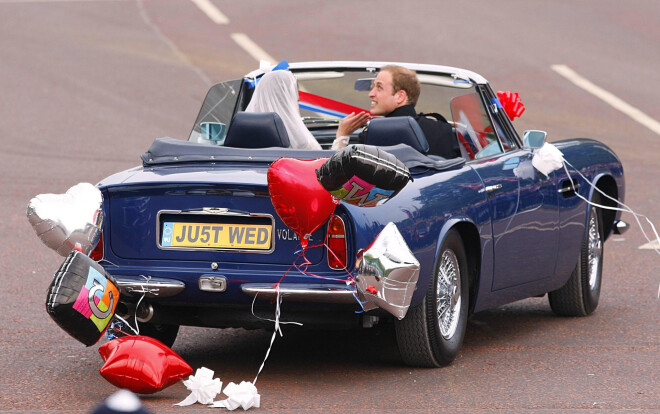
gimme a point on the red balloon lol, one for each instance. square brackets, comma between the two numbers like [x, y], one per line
[141, 364]
[299, 199]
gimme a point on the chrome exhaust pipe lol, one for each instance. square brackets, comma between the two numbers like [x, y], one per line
[125, 310]
[144, 312]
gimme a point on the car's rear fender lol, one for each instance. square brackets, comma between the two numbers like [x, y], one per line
[601, 168]
[607, 184]
[473, 249]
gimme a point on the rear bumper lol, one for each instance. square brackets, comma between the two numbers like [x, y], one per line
[317, 293]
[150, 287]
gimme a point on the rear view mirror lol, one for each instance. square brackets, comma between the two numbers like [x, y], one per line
[363, 84]
[214, 132]
[533, 138]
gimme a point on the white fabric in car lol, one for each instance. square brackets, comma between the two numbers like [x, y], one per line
[277, 92]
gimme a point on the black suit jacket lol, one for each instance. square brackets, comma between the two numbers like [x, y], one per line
[440, 136]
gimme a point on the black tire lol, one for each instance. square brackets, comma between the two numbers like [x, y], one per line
[579, 296]
[421, 340]
[164, 333]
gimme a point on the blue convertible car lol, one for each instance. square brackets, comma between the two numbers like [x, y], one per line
[192, 236]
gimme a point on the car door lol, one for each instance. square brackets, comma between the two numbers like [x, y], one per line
[523, 202]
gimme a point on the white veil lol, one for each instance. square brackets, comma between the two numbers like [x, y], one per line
[277, 91]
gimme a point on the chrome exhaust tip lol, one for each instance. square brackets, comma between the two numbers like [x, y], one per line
[144, 312]
[125, 310]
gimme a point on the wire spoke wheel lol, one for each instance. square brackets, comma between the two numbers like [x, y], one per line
[580, 295]
[595, 250]
[431, 334]
[448, 294]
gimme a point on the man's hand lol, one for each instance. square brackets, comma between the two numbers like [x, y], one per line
[352, 122]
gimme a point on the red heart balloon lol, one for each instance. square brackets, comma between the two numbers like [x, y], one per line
[299, 199]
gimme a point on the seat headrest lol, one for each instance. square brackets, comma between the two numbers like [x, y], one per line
[257, 130]
[396, 130]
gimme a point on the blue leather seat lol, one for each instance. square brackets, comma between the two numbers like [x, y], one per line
[396, 130]
[257, 130]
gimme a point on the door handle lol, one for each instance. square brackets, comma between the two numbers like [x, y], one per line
[491, 188]
[569, 187]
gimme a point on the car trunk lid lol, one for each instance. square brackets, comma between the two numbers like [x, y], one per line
[198, 212]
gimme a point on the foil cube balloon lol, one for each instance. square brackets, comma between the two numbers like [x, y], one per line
[363, 175]
[64, 221]
[387, 273]
[82, 298]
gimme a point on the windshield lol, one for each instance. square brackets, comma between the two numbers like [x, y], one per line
[326, 96]
[217, 109]
[329, 96]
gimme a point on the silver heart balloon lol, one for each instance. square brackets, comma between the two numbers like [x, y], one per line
[63, 221]
[387, 273]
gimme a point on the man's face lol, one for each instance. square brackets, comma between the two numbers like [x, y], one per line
[383, 98]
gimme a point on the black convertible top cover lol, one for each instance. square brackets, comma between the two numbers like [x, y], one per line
[173, 151]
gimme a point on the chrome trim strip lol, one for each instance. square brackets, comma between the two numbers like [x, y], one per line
[304, 293]
[216, 211]
[150, 287]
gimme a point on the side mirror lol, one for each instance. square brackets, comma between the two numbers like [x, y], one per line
[363, 84]
[534, 139]
[214, 132]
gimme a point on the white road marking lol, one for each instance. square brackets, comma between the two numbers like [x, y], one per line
[608, 97]
[252, 48]
[211, 11]
[655, 245]
[59, 1]
[178, 53]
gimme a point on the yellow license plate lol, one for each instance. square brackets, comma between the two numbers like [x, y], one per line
[217, 236]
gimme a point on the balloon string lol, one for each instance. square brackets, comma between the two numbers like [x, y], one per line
[278, 301]
[350, 280]
[626, 208]
[302, 268]
[144, 292]
[137, 326]
[127, 324]
[254, 300]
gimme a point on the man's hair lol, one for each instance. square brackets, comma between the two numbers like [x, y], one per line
[406, 80]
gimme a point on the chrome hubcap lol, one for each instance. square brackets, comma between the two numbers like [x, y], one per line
[595, 249]
[448, 294]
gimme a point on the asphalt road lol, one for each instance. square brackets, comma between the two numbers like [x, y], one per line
[86, 86]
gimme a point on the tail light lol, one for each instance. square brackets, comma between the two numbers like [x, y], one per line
[97, 253]
[336, 243]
